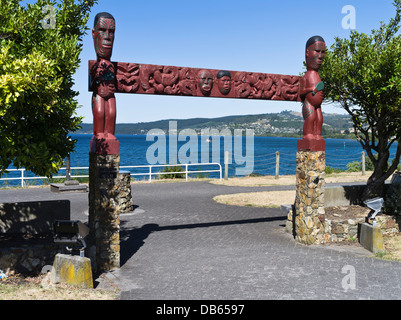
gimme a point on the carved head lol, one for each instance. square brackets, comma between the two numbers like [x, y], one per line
[205, 80]
[224, 81]
[314, 52]
[103, 35]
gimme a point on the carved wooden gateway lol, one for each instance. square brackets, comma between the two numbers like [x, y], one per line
[107, 78]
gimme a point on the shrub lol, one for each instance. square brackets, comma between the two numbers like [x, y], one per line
[329, 170]
[356, 166]
[173, 175]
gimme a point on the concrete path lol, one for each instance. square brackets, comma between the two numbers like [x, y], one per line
[180, 244]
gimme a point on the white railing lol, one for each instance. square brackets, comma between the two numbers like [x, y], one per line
[23, 177]
[186, 171]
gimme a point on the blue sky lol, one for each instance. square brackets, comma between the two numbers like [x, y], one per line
[254, 35]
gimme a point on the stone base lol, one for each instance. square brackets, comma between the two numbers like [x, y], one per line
[104, 210]
[309, 202]
[65, 187]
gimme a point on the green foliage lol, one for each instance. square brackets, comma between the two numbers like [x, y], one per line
[255, 174]
[363, 75]
[356, 166]
[329, 170]
[174, 175]
[37, 103]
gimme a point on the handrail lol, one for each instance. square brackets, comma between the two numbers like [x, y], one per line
[24, 177]
[150, 173]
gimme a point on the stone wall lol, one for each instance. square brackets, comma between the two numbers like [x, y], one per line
[347, 229]
[28, 258]
[342, 230]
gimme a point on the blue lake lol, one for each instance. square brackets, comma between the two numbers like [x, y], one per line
[257, 155]
[133, 151]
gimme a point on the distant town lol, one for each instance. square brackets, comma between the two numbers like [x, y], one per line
[283, 124]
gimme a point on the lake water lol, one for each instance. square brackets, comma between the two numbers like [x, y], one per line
[133, 151]
[137, 150]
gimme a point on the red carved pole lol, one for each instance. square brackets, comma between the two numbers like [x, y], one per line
[103, 82]
[311, 93]
[104, 159]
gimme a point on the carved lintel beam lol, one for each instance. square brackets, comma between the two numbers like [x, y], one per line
[184, 81]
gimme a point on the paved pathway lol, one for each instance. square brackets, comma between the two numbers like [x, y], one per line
[180, 244]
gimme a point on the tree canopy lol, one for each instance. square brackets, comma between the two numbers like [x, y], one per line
[363, 75]
[40, 46]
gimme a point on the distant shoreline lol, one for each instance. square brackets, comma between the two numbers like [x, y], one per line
[283, 124]
[350, 137]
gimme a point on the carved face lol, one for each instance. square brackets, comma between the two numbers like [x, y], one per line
[224, 84]
[314, 55]
[205, 81]
[103, 37]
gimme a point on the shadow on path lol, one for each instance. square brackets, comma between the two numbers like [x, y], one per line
[133, 239]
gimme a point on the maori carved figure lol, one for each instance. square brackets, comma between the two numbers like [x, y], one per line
[290, 86]
[159, 79]
[311, 87]
[168, 77]
[103, 78]
[187, 82]
[242, 86]
[256, 81]
[224, 82]
[147, 79]
[128, 77]
[205, 82]
[269, 87]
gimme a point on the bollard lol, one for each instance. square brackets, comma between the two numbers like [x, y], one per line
[363, 163]
[277, 164]
[226, 154]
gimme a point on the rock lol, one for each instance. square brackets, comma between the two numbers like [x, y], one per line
[72, 270]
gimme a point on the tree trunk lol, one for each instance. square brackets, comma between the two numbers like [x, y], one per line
[374, 187]
[376, 182]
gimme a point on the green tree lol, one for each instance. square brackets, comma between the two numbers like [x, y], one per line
[363, 75]
[38, 58]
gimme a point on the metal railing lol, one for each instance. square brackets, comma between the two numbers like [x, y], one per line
[186, 171]
[23, 176]
[275, 163]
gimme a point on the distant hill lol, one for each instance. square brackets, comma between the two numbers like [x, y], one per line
[285, 123]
